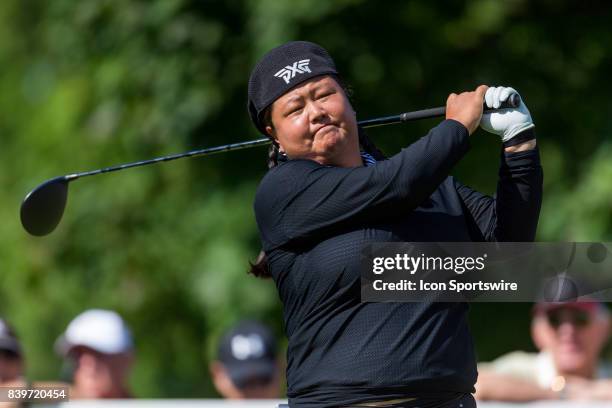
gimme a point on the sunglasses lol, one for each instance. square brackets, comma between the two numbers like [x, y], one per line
[578, 318]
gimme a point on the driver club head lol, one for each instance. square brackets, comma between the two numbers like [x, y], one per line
[43, 207]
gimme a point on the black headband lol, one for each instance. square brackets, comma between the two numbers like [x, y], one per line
[281, 69]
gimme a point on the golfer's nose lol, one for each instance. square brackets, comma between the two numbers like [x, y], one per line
[318, 113]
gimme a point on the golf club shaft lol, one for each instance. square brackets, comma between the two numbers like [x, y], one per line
[200, 152]
[368, 123]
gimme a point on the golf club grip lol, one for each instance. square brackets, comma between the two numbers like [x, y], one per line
[514, 101]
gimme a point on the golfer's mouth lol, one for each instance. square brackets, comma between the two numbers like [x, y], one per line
[324, 129]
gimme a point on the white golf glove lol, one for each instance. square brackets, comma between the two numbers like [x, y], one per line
[506, 123]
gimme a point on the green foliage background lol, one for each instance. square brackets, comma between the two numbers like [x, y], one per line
[91, 83]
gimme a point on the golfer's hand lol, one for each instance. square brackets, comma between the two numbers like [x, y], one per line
[466, 107]
[506, 123]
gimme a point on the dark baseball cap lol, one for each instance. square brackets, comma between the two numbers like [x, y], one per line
[589, 306]
[280, 70]
[8, 339]
[568, 292]
[248, 353]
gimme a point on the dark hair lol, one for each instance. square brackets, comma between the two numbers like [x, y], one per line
[261, 268]
[274, 154]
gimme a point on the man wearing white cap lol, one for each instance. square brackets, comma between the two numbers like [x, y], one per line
[100, 346]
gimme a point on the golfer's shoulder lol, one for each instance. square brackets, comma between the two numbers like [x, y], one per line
[287, 175]
[284, 180]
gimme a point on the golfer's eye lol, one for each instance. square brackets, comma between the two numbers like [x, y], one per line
[325, 94]
[294, 110]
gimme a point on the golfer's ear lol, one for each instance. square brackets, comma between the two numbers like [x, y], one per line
[272, 133]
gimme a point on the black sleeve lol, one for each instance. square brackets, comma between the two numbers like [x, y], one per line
[301, 199]
[512, 215]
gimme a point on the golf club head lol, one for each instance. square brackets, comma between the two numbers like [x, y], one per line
[43, 207]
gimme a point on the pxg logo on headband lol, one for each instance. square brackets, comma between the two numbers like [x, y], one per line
[289, 72]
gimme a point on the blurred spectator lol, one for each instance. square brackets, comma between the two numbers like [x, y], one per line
[247, 364]
[570, 338]
[11, 361]
[12, 369]
[98, 345]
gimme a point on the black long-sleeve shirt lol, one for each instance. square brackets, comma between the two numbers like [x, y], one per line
[313, 222]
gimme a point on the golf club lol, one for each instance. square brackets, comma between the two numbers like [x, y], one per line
[43, 207]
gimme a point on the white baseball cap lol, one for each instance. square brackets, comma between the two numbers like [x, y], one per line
[100, 330]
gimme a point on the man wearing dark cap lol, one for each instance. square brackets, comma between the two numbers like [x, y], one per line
[12, 369]
[246, 366]
[570, 337]
[11, 362]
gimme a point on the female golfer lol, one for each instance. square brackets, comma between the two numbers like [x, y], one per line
[330, 192]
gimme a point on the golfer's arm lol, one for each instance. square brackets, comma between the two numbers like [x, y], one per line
[512, 215]
[305, 199]
[519, 196]
[522, 147]
[500, 387]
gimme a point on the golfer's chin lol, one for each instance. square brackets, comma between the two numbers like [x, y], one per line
[329, 140]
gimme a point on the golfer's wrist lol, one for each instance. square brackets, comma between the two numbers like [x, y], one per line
[522, 147]
[458, 125]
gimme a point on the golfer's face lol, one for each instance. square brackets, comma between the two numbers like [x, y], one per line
[315, 121]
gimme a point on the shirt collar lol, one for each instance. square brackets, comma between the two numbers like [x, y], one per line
[368, 159]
